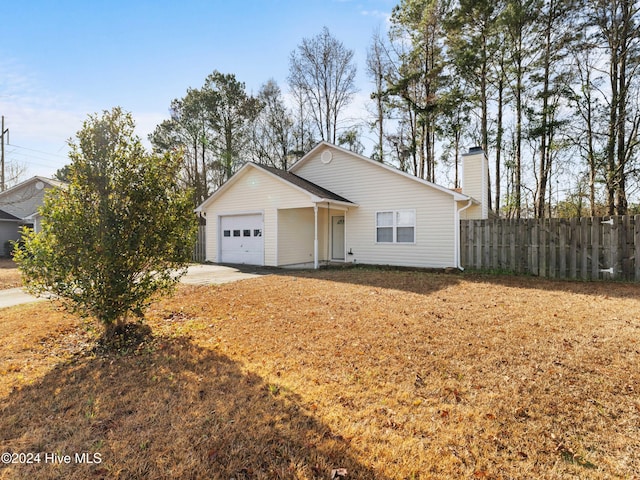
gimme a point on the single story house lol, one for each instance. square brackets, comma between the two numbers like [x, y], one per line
[334, 205]
[19, 207]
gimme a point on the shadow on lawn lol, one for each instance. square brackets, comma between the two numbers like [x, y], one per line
[420, 281]
[172, 410]
[425, 281]
[600, 288]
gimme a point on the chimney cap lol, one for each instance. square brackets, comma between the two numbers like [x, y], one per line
[475, 149]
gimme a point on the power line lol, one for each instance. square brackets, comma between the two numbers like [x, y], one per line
[31, 159]
[40, 151]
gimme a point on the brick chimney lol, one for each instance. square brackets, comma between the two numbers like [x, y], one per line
[475, 182]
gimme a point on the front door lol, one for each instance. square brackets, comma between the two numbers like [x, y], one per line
[337, 237]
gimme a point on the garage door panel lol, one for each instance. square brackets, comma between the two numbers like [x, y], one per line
[241, 239]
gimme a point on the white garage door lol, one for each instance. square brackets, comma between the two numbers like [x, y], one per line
[241, 239]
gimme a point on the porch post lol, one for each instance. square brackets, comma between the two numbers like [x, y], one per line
[315, 237]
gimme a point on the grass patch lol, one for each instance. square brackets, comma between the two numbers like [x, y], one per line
[9, 274]
[382, 374]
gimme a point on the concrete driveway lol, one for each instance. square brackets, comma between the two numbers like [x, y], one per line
[16, 296]
[216, 274]
[196, 275]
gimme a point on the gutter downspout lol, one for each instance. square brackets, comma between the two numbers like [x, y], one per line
[315, 237]
[457, 237]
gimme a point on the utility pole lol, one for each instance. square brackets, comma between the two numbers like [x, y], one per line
[3, 130]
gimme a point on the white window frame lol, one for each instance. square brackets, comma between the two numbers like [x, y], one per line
[395, 226]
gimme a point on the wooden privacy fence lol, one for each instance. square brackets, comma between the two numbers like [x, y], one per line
[595, 248]
[199, 253]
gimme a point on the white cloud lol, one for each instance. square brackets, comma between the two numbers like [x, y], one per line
[386, 16]
[39, 122]
[32, 113]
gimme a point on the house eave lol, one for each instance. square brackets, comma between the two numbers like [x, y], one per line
[324, 143]
[319, 200]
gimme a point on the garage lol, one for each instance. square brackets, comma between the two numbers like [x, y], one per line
[241, 239]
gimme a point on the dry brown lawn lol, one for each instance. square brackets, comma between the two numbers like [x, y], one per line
[386, 374]
[9, 274]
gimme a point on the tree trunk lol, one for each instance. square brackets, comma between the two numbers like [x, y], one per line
[499, 141]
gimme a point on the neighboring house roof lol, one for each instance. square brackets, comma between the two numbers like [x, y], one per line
[316, 192]
[324, 144]
[49, 181]
[7, 216]
[24, 199]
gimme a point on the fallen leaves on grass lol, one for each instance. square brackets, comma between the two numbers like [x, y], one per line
[386, 374]
[9, 274]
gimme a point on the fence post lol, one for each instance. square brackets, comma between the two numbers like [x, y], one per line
[543, 247]
[625, 250]
[613, 249]
[486, 240]
[636, 242]
[584, 248]
[553, 247]
[463, 243]
[596, 234]
[534, 256]
[477, 235]
[504, 254]
[469, 249]
[199, 250]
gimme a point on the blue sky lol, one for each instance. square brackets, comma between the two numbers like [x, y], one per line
[63, 60]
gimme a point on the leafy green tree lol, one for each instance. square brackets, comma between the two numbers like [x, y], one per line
[518, 21]
[120, 232]
[62, 173]
[188, 130]
[617, 31]
[549, 81]
[420, 74]
[351, 140]
[453, 124]
[474, 41]
[212, 125]
[231, 114]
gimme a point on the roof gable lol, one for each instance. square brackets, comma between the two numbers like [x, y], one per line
[50, 182]
[316, 192]
[7, 216]
[388, 168]
[24, 199]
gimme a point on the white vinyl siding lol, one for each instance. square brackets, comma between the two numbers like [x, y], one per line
[25, 201]
[295, 236]
[377, 189]
[255, 191]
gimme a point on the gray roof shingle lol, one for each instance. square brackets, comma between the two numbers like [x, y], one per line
[7, 216]
[312, 188]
